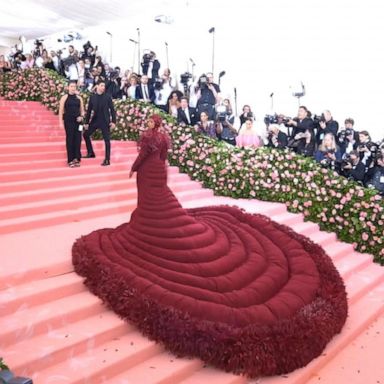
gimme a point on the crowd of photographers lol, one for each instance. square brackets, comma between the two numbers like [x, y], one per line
[199, 104]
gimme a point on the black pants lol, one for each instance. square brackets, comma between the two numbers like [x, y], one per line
[106, 137]
[73, 140]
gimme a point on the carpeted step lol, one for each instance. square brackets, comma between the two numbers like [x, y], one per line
[98, 365]
[34, 293]
[43, 318]
[65, 343]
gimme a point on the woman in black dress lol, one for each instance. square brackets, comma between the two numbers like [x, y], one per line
[71, 113]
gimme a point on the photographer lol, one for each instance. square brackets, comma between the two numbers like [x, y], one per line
[302, 122]
[247, 113]
[276, 138]
[348, 139]
[207, 95]
[367, 149]
[226, 119]
[328, 154]
[352, 168]
[88, 53]
[113, 85]
[375, 175]
[4, 65]
[326, 125]
[150, 66]
[207, 127]
[303, 143]
[28, 63]
[163, 88]
[185, 114]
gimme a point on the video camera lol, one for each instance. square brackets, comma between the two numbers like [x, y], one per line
[221, 113]
[185, 77]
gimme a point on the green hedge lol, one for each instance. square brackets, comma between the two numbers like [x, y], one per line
[354, 213]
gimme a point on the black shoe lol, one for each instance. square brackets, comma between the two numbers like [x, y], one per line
[89, 155]
[105, 163]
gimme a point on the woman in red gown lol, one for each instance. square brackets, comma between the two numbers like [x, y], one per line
[239, 291]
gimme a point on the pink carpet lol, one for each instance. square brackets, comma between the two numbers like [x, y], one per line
[54, 330]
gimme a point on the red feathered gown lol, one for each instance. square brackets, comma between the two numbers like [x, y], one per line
[240, 291]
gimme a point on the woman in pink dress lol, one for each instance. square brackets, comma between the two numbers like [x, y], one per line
[247, 136]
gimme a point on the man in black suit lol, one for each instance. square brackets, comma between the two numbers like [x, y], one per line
[100, 115]
[145, 91]
[328, 125]
[185, 114]
[302, 122]
[150, 66]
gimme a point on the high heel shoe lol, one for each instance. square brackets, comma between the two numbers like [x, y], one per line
[89, 155]
[105, 163]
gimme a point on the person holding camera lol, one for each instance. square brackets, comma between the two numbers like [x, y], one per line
[348, 140]
[71, 113]
[207, 127]
[208, 95]
[375, 175]
[145, 90]
[367, 149]
[352, 167]
[326, 125]
[185, 114]
[328, 154]
[100, 115]
[276, 138]
[150, 66]
[303, 122]
[174, 103]
[226, 119]
[247, 113]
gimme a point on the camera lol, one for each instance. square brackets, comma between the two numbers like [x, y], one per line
[221, 113]
[158, 84]
[342, 136]
[276, 119]
[185, 77]
[147, 57]
[317, 119]
[346, 161]
[203, 82]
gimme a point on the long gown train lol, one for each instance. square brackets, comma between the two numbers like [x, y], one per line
[238, 290]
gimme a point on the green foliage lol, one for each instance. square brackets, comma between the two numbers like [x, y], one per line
[354, 213]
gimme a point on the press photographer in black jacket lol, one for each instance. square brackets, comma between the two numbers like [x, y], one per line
[302, 122]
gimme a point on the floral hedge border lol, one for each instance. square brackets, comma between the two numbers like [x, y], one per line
[354, 213]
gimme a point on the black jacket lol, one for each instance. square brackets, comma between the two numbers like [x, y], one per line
[182, 118]
[151, 93]
[282, 141]
[331, 126]
[302, 126]
[107, 108]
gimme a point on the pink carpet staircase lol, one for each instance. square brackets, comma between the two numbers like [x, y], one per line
[54, 330]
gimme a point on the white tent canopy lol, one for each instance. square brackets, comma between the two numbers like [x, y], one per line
[264, 46]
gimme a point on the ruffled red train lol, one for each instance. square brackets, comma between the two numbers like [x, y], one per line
[240, 291]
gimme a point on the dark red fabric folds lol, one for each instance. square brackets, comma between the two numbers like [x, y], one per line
[241, 292]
